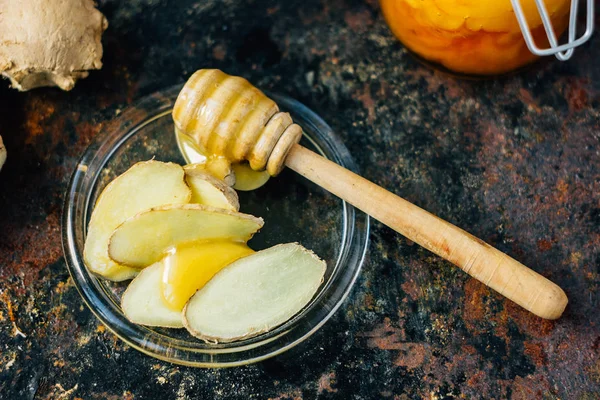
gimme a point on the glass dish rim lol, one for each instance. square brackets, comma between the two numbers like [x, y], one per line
[76, 209]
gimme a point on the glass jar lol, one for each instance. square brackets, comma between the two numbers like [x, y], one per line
[473, 37]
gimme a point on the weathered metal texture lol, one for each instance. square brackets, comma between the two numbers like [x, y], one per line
[515, 161]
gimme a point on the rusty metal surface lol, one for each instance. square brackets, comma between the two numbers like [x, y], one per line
[515, 161]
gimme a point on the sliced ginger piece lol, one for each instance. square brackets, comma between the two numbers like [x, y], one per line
[145, 185]
[187, 268]
[143, 304]
[210, 191]
[143, 240]
[254, 294]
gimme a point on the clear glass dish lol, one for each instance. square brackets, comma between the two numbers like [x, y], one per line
[294, 209]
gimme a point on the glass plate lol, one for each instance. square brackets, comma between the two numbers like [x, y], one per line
[294, 210]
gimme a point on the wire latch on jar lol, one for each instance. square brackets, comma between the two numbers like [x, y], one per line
[562, 52]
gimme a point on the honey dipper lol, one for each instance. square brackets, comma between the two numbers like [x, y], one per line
[227, 116]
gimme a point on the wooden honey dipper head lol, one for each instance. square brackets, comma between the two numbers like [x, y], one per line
[229, 117]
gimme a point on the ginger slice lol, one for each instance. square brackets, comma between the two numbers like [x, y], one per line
[144, 239]
[142, 303]
[143, 186]
[210, 191]
[254, 294]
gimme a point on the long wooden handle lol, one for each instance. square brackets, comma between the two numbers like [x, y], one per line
[488, 265]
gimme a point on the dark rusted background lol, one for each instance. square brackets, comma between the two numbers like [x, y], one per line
[515, 161]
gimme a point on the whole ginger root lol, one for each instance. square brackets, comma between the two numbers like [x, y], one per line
[49, 43]
[2, 153]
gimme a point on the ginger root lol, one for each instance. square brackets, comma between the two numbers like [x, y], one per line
[53, 43]
[2, 153]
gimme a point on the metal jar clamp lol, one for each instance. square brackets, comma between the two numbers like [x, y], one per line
[562, 52]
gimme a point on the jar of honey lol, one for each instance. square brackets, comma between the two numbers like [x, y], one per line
[472, 37]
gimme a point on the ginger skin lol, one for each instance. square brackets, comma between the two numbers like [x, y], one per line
[2, 153]
[50, 44]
